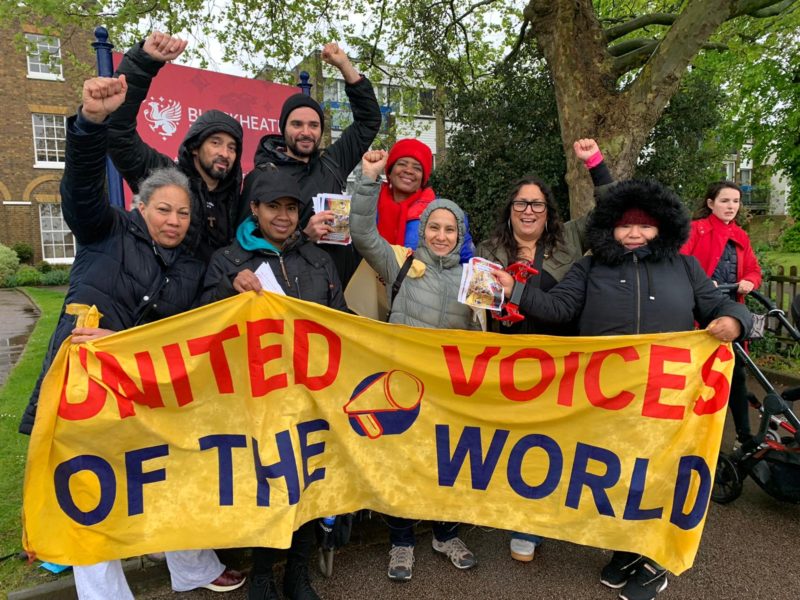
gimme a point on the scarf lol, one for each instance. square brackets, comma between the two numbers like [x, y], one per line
[249, 237]
[393, 216]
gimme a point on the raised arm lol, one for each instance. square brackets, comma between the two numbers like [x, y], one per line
[83, 200]
[363, 213]
[347, 151]
[587, 150]
[131, 156]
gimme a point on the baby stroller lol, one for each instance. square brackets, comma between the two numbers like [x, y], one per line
[772, 457]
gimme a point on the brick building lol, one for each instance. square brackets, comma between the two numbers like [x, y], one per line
[40, 77]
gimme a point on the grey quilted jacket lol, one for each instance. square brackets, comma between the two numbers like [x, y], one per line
[428, 296]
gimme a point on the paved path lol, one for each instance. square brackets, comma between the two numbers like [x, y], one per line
[18, 315]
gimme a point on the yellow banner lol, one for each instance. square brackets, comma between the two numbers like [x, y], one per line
[233, 424]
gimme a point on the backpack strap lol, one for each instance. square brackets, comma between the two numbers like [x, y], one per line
[401, 275]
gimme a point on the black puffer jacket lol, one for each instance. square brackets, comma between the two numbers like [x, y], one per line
[215, 214]
[302, 270]
[118, 268]
[652, 289]
[327, 170]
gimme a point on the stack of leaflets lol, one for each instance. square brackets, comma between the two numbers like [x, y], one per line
[339, 204]
[478, 288]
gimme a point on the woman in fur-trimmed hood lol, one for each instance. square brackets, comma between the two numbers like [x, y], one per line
[636, 282]
[656, 200]
[638, 285]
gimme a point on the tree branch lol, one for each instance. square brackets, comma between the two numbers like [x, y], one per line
[635, 58]
[523, 30]
[631, 45]
[639, 52]
[758, 8]
[617, 31]
[373, 52]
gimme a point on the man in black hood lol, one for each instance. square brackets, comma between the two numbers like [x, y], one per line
[210, 154]
[296, 150]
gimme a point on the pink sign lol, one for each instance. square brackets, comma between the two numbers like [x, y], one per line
[179, 95]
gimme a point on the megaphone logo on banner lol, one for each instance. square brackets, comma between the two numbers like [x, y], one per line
[386, 402]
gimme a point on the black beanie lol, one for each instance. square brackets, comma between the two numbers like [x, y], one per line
[300, 101]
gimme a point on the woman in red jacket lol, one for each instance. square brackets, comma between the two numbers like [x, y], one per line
[724, 251]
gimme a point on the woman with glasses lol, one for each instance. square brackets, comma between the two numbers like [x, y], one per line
[529, 230]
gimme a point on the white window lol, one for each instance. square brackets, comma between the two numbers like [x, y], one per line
[49, 140]
[746, 177]
[334, 91]
[58, 244]
[730, 170]
[44, 57]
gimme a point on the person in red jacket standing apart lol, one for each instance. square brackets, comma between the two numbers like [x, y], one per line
[724, 251]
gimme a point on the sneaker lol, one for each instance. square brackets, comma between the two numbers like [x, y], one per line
[297, 585]
[457, 552]
[648, 580]
[617, 572]
[522, 550]
[401, 562]
[262, 587]
[227, 582]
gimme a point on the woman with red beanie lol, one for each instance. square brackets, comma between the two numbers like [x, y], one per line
[405, 194]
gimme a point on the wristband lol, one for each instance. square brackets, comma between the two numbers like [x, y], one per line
[594, 160]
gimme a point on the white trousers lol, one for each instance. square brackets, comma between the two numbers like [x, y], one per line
[188, 569]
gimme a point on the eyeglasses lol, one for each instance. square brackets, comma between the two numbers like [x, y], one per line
[522, 205]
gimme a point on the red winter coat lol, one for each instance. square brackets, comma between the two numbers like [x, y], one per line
[707, 241]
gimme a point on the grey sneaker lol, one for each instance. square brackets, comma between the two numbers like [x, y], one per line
[457, 552]
[401, 562]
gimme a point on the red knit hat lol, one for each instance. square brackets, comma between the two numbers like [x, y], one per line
[414, 149]
[636, 216]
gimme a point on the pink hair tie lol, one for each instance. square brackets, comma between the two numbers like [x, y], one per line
[594, 160]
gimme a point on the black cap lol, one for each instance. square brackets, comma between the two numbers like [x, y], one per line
[268, 183]
[300, 101]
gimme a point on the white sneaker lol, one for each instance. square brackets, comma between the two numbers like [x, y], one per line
[522, 550]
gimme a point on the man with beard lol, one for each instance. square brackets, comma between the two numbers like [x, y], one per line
[210, 154]
[297, 152]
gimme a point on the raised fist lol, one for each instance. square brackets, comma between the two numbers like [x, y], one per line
[585, 148]
[373, 162]
[164, 47]
[102, 96]
[333, 55]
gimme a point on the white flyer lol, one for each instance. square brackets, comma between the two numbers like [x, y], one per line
[268, 281]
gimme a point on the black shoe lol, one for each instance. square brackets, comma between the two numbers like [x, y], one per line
[648, 580]
[262, 587]
[617, 572]
[296, 584]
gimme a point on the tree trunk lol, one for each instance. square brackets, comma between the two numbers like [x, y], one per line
[589, 103]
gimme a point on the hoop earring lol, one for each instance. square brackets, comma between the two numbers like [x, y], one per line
[545, 226]
[508, 224]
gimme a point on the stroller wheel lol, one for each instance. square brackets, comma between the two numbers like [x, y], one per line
[727, 481]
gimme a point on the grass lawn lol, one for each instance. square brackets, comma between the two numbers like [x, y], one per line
[784, 259]
[14, 573]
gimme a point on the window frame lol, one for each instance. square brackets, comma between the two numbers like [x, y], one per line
[34, 58]
[67, 241]
[49, 164]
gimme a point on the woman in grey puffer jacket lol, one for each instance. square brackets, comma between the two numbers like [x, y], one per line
[427, 297]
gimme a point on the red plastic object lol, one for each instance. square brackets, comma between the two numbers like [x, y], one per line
[520, 272]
